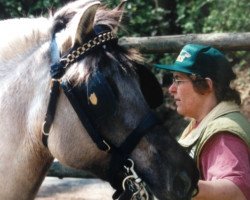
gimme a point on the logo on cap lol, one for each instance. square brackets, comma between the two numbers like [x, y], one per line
[184, 54]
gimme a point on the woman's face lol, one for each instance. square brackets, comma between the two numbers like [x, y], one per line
[188, 101]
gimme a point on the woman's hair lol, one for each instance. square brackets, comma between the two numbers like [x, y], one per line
[221, 79]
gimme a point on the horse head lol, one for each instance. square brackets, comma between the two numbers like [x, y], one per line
[103, 121]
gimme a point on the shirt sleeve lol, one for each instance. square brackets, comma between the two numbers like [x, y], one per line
[226, 156]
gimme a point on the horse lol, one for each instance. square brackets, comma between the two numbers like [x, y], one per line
[69, 91]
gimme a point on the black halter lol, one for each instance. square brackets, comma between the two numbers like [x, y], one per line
[84, 99]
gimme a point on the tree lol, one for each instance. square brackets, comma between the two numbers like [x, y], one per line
[24, 8]
[205, 16]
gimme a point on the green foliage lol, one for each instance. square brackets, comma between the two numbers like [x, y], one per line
[150, 18]
[155, 17]
[23, 8]
[228, 16]
[205, 16]
[10, 8]
[43, 6]
[143, 18]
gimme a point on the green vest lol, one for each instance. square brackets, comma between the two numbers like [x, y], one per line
[225, 116]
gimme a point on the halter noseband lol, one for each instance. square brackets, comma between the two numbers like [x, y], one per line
[129, 185]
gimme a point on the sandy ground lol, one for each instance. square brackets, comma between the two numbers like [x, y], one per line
[74, 189]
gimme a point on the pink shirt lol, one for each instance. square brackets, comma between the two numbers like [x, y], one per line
[226, 156]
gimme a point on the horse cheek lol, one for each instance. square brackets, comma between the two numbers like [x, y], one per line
[68, 139]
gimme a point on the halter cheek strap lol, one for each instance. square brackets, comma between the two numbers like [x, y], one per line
[51, 110]
[54, 91]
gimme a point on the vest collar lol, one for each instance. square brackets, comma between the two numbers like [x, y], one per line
[192, 133]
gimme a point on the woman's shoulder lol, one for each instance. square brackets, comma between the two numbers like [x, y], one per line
[235, 123]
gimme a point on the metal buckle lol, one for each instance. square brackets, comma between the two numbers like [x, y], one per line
[107, 145]
[43, 129]
[134, 183]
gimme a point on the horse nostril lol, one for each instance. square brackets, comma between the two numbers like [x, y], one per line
[182, 184]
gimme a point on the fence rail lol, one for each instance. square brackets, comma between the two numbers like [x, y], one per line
[173, 43]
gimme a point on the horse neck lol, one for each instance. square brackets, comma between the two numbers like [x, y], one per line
[26, 35]
[24, 79]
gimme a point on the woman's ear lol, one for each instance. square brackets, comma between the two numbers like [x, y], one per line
[210, 84]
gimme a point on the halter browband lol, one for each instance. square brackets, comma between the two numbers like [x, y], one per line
[76, 53]
[85, 114]
[96, 41]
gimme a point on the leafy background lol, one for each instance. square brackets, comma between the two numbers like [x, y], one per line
[166, 17]
[155, 17]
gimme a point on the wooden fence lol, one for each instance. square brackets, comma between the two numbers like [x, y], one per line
[173, 43]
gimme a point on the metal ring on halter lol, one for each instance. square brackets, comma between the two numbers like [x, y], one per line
[132, 165]
[134, 182]
[43, 127]
[138, 190]
[130, 177]
[132, 170]
[108, 147]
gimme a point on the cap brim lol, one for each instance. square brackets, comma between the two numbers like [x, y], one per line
[172, 68]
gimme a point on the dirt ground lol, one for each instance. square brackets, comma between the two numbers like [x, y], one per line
[74, 189]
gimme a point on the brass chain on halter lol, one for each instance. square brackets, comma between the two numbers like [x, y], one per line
[96, 41]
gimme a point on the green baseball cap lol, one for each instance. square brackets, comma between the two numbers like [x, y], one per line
[199, 60]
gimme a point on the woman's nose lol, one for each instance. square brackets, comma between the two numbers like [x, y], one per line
[172, 88]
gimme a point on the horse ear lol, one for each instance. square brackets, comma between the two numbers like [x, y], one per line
[121, 8]
[150, 87]
[64, 15]
[83, 22]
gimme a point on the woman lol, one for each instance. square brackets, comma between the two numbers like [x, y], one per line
[218, 136]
